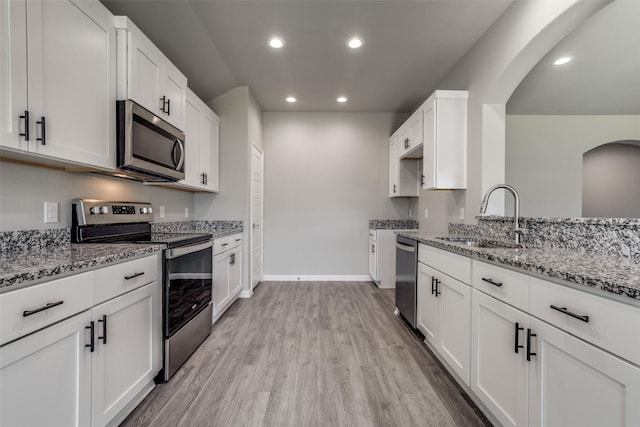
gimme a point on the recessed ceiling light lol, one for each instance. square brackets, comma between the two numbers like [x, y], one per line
[276, 43]
[562, 61]
[291, 99]
[342, 99]
[355, 43]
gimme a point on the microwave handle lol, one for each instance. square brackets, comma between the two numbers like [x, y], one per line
[181, 160]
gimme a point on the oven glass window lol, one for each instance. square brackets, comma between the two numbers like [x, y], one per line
[189, 280]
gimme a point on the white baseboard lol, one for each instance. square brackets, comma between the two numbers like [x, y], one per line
[318, 278]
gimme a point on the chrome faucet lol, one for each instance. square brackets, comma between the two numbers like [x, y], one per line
[516, 215]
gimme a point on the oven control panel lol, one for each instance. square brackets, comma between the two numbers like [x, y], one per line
[91, 211]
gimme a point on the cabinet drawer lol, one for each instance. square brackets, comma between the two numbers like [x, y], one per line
[225, 243]
[121, 278]
[611, 325]
[456, 266]
[48, 303]
[503, 284]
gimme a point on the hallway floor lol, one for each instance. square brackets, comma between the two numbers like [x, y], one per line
[310, 354]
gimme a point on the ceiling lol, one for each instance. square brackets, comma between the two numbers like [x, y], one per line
[602, 79]
[409, 46]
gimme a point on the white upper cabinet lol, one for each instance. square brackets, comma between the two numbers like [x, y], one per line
[403, 174]
[411, 137]
[62, 55]
[147, 77]
[445, 140]
[202, 148]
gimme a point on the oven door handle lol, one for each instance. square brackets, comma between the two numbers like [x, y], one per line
[185, 250]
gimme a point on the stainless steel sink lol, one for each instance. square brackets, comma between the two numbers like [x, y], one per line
[480, 243]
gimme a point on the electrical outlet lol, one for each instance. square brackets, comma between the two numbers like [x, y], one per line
[50, 212]
[410, 213]
[186, 212]
[161, 211]
[426, 213]
[461, 213]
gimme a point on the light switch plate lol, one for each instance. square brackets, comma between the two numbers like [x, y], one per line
[162, 212]
[426, 213]
[50, 212]
[461, 213]
[186, 212]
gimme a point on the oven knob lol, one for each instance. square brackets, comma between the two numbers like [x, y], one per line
[144, 210]
[149, 210]
[94, 210]
[104, 210]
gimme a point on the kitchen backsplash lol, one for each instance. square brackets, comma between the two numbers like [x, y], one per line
[195, 226]
[611, 236]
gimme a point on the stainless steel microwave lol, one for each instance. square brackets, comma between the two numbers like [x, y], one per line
[149, 149]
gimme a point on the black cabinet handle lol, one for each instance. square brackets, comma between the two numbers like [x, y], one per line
[564, 310]
[43, 308]
[163, 100]
[493, 282]
[373, 249]
[92, 342]
[104, 329]
[43, 131]
[232, 259]
[394, 188]
[168, 107]
[225, 244]
[518, 329]
[529, 352]
[133, 276]
[26, 125]
[433, 281]
[422, 179]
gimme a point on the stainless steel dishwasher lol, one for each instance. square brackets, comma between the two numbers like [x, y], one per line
[407, 279]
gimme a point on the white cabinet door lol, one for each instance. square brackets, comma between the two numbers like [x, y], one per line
[194, 143]
[235, 270]
[445, 140]
[455, 324]
[411, 137]
[174, 88]
[575, 384]
[71, 81]
[428, 305]
[45, 378]
[393, 166]
[127, 342]
[145, 73]
[220, 292]
[13, 74]
[373, 259]
[210, 150]
[498, 373]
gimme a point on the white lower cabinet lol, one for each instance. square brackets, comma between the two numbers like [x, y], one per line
[124, 361]
[227, 273]
[45, 378]
[444, 312]
[528, 372]
[575, 384]
[373, 256]
[499, 367]
[88, 369]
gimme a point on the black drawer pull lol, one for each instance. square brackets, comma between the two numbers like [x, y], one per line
[92, 342]
[529, 352]
[104, 329]
[493, 282]
[225, 244]
[564, 310]
[43, 308]
[133, 276]
[43, 131]
[518, 329]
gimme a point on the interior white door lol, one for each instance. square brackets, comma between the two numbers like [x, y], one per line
[257, 209]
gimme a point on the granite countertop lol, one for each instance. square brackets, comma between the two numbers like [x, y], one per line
[606, 274]
[22, 268]
[393, 224]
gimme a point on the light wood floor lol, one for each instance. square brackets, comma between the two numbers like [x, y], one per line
[310, 354]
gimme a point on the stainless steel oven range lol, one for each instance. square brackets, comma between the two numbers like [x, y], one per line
[187, 270]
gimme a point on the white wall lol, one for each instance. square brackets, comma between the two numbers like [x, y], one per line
[491, 71]
[544, 157]
[326, 175]
[24, 189]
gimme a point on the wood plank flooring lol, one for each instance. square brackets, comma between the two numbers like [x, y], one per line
[310, 354]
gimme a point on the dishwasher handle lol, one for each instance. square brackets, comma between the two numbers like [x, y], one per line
[406, 248]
